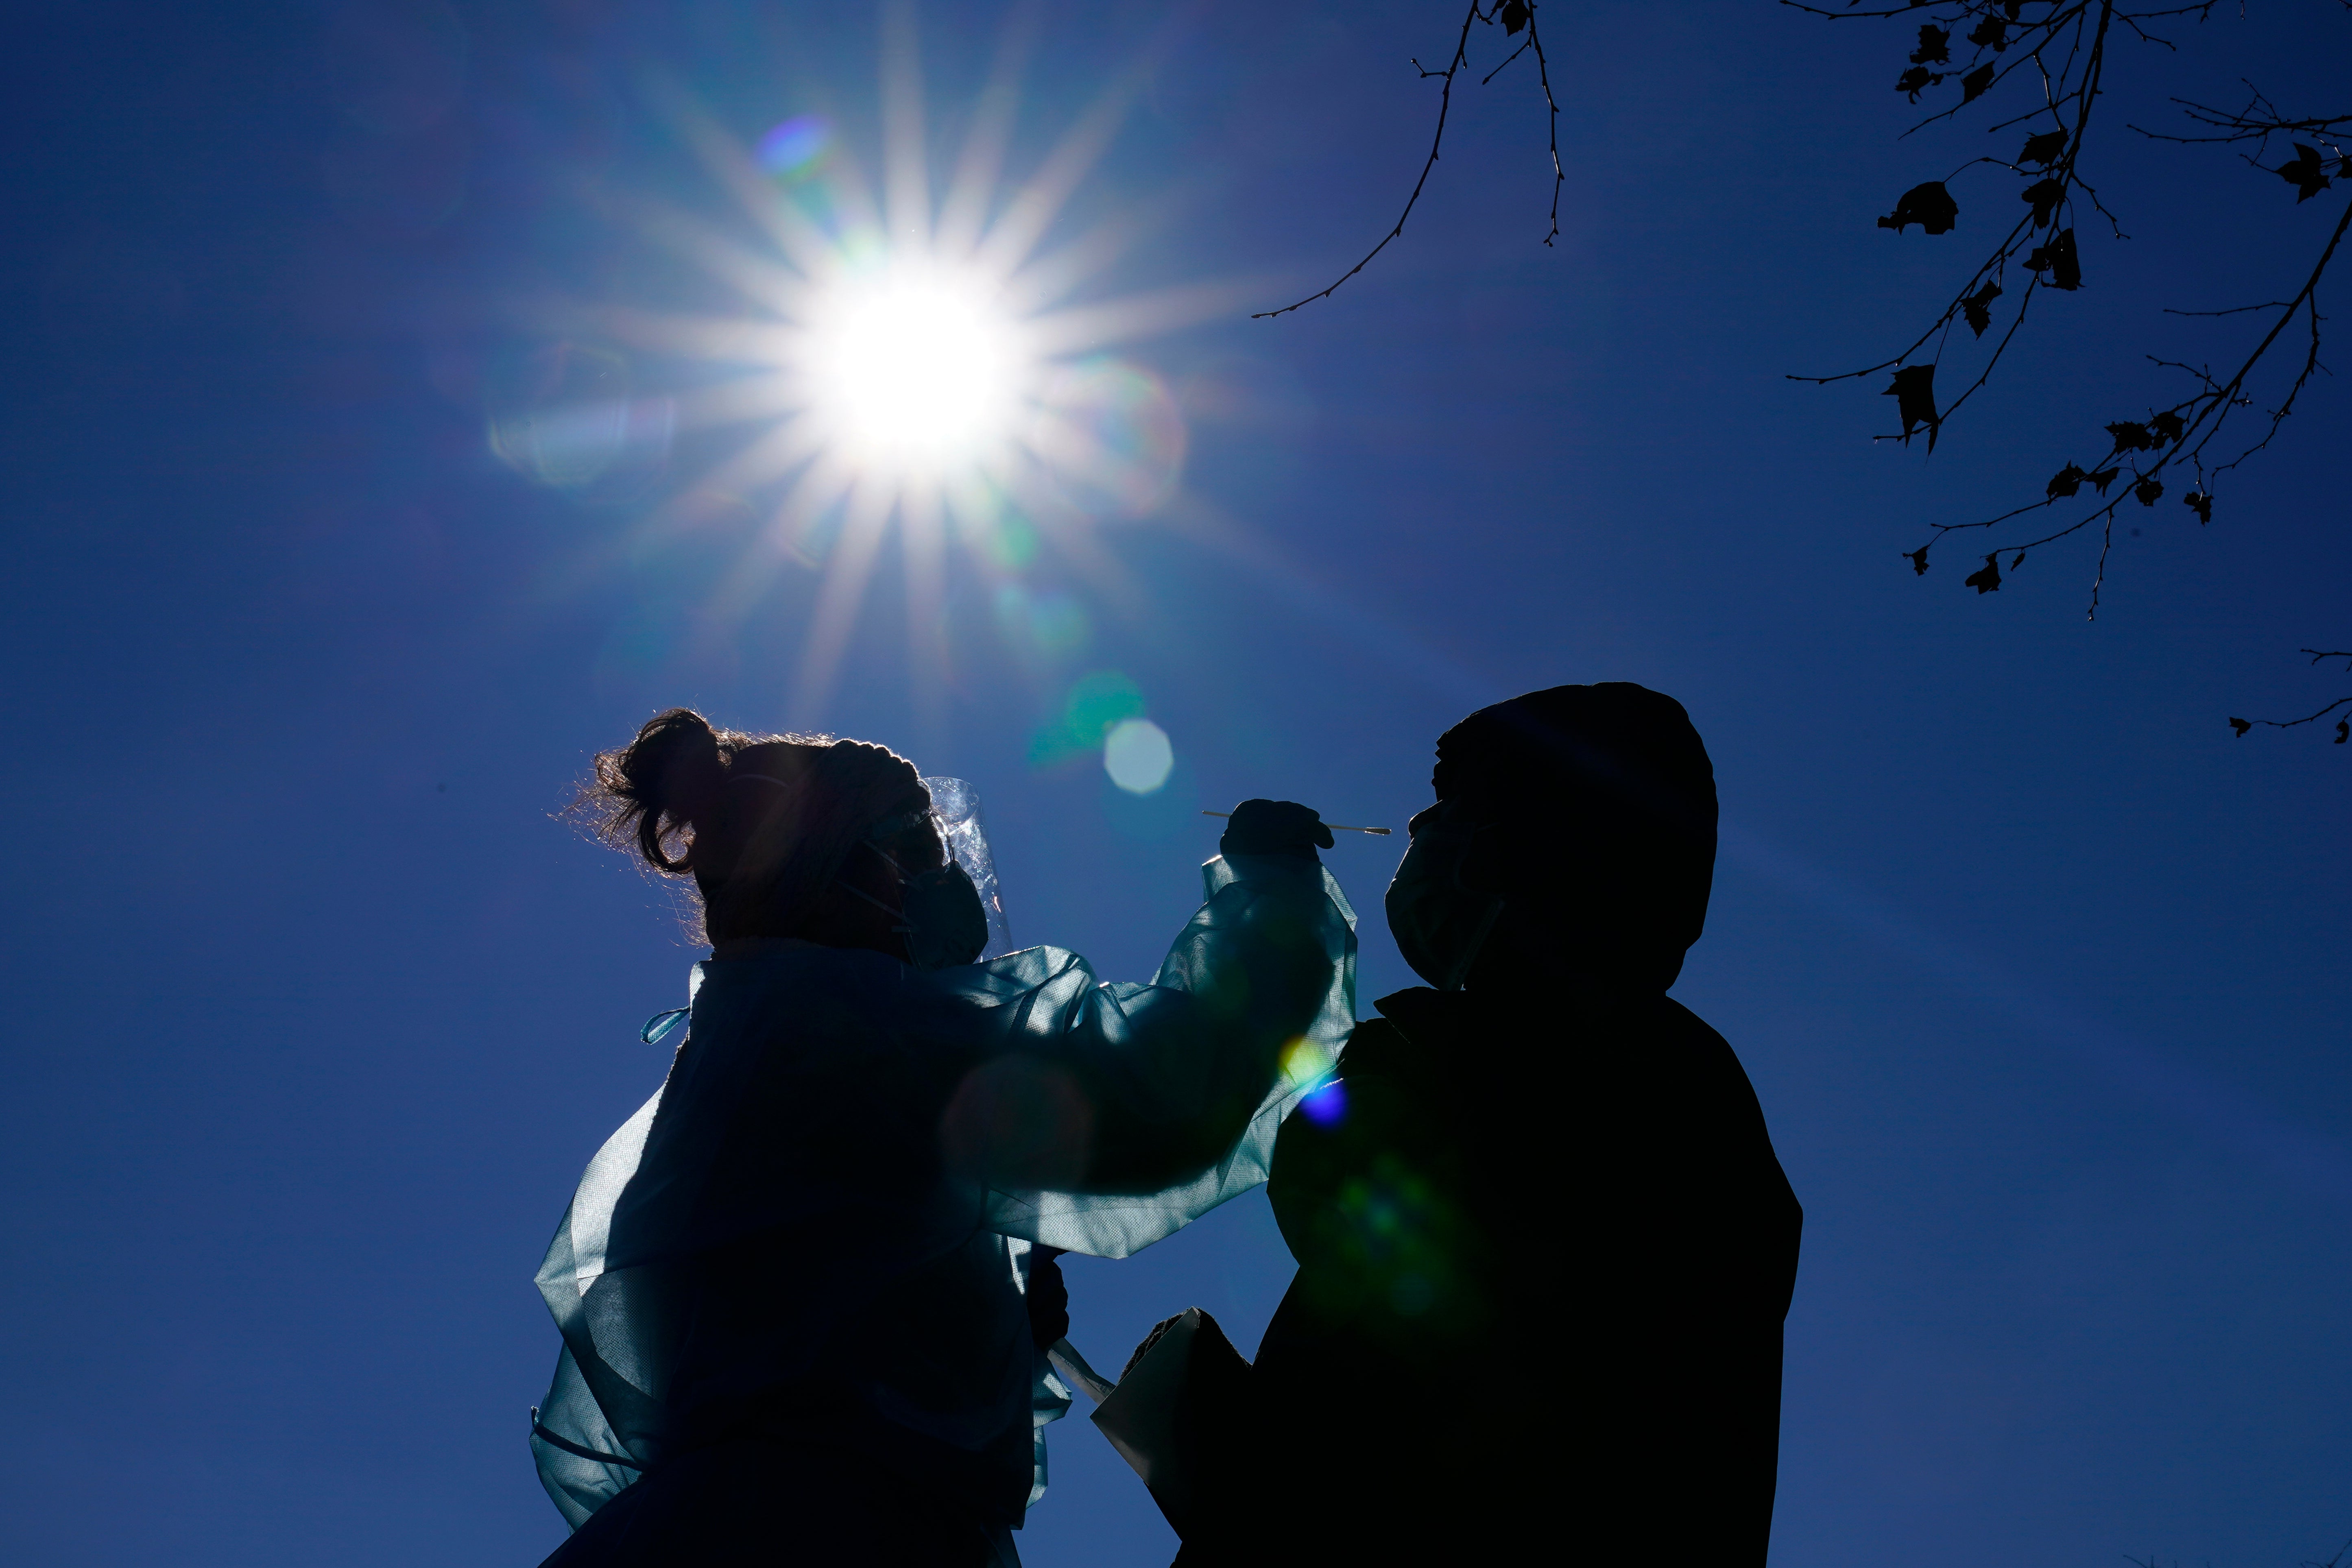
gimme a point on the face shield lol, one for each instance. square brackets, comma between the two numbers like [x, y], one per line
[955, 811]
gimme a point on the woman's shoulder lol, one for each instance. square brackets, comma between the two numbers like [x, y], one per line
[756, 989]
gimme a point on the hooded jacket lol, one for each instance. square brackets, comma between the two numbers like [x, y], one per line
[1543, 1245]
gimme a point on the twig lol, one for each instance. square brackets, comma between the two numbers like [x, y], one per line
[1551, 121]
[2066, 47]
[2243, 725]
[1533, 41]
[1444, 105]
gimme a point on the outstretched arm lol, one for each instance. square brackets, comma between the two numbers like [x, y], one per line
[1129, 1110]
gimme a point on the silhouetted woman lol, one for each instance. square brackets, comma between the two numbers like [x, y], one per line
[791, 1286]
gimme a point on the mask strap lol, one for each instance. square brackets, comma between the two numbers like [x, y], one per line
[886, 859]
[878, 903]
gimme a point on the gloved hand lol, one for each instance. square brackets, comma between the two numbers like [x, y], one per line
[1275, 827]
[1150, 1340]
[1049, 1297]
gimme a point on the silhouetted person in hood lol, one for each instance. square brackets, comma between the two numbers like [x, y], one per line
[1544, 1246]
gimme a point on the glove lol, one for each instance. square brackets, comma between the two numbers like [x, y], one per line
[1150, 1340]
[1275, 827]
[1049, 1297]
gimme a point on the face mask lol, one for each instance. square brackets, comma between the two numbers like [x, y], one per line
[939, 914]
[1438, 923]
[945, 925]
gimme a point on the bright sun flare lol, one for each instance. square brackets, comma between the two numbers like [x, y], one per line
[917, 370]
[923, 355]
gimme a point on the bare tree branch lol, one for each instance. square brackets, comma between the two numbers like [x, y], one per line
[1504, 11]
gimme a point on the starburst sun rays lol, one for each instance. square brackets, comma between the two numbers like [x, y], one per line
[931, 367]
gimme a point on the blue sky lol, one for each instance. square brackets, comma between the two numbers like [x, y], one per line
[2038, 971]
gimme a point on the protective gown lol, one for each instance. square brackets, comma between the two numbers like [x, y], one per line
[771, 1259]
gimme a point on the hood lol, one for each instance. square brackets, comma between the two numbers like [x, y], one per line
[1606, 796]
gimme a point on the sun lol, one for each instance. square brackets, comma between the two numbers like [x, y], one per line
[919, 370]
[929, 357]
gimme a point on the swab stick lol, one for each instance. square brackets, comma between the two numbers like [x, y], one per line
[1335, 826]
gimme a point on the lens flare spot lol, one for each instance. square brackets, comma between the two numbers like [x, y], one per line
[792, 149]
[1011, 543]
[1327, 1106]
[1137, 756]
[1411, 1295]
[1112, 437]
[562, 416]
[1304, 1061]
[395, 67]
[1097, 701]
[1041, 624]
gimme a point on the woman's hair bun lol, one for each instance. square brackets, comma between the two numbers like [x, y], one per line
[764, 856]
[661, 784]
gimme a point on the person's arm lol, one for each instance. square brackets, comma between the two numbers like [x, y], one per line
[1143, 1104]
[1206, 1042]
